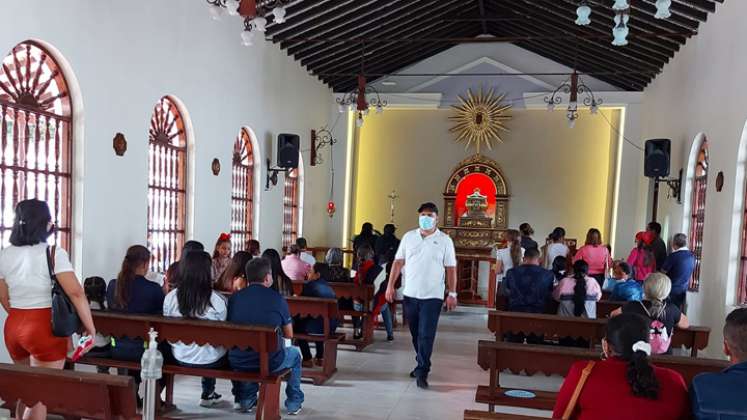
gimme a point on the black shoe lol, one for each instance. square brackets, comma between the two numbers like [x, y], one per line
[422, 382]
[357, 335]
[413, 373]
[390, 338]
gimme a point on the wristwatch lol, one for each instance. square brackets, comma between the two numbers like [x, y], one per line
[453, 294]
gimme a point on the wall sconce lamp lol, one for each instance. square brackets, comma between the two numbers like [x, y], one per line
[319, 139]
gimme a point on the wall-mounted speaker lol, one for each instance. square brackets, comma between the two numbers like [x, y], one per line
[288, 150]
[656, 158]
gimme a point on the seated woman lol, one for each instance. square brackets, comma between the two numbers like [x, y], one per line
[195, 299]
[132, 293]
[559, 266]
[370, 273]
[172, 273]
[316, 286]
[280, 281]
[626, 288]
[662, 316]
[233, 278]
[624, 385]
[578, 294]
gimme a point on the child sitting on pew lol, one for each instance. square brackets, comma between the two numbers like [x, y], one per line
[317, 287]
[195, 298]
[626, 288]
[233, 278]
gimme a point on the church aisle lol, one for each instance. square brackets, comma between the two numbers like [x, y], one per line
[375, 384]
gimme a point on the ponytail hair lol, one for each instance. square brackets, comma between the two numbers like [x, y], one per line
[623, 333]
[580, 270]
[513, 239]
[656, 289]
[557, 234]
[137, 255]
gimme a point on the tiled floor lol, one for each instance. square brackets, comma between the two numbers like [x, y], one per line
[374, 384]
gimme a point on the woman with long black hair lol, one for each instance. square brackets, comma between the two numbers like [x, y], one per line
[26, 293]
[578, 293]
[625, 385]
[280, 281]
[195, 299]
[234, 277]
[132, 293]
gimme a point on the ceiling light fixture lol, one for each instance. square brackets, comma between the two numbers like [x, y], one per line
[573, 87]
[583, 12]
[356, 100]
[620, 31]
[662, 9]
[254, 13]
[620, 5]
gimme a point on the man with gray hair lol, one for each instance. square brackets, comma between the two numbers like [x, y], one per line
[721, 395]
[679, 266]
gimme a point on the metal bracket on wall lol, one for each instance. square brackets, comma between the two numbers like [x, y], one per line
[272, 174]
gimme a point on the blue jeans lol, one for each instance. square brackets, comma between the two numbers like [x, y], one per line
[386, 315]
[247, 391]
[422, 317]
[208, 384]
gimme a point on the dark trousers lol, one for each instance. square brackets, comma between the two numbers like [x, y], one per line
[678, 299]
[306, 350]
[208, 384]
[599, 278]
[422, 317]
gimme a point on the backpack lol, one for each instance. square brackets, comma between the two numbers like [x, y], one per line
[659, 338]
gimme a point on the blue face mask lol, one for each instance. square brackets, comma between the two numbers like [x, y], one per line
[426, 222]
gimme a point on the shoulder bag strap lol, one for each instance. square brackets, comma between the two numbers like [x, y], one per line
[50, 262]
[577, 392]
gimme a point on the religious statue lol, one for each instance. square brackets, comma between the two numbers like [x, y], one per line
[392, 197]
[477, 204]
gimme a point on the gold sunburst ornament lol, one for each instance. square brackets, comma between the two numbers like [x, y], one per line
[480, 118]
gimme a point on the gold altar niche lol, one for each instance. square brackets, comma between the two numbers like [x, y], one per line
[476, 201]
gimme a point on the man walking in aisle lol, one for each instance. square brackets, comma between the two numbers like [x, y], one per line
[429, 259]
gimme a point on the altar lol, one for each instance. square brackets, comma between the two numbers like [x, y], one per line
[476, 200]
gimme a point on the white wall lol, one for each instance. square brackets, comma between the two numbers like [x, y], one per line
[702, 90]
[126, 55]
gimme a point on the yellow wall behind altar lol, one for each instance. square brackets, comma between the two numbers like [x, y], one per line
[557, 176]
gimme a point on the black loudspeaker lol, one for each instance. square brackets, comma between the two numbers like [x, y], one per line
[656, 158]
[288, 149]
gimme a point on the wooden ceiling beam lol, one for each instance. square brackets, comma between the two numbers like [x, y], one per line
[336, 19]
[602, 61]
[424, 27]
[368, 24]
[681, 14]
[645, 49]
[396, 56]
[633, 51]
[316, 10]
[311, 54]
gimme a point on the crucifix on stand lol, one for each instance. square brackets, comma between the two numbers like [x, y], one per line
[392, 197]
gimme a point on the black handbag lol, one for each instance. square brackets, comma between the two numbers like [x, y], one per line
[65, 320]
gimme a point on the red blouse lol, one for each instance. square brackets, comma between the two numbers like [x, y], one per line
[607, 395]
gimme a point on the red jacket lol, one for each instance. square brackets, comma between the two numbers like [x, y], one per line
[607, 395]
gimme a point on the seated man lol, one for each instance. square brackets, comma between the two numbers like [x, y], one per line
[258, 304]
[626, 288]
[293, 266]
[528, 288]
[722, 395]
[305, 256]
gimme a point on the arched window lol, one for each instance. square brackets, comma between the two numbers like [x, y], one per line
[35, 138]
[167, 183]
[697, 210]
[242, 191]
[291, 198]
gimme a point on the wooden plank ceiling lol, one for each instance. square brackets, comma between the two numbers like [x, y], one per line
[333, 38]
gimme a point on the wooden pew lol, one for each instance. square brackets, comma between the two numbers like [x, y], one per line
[263, 340]
[364, 294]
[531, 359]
[70, 394]
[327, 310]
[501, 322]
[484, 415]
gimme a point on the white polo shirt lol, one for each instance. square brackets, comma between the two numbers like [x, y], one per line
[426, 260]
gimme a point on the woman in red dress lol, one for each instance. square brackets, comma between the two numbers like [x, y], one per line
[625, 385]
